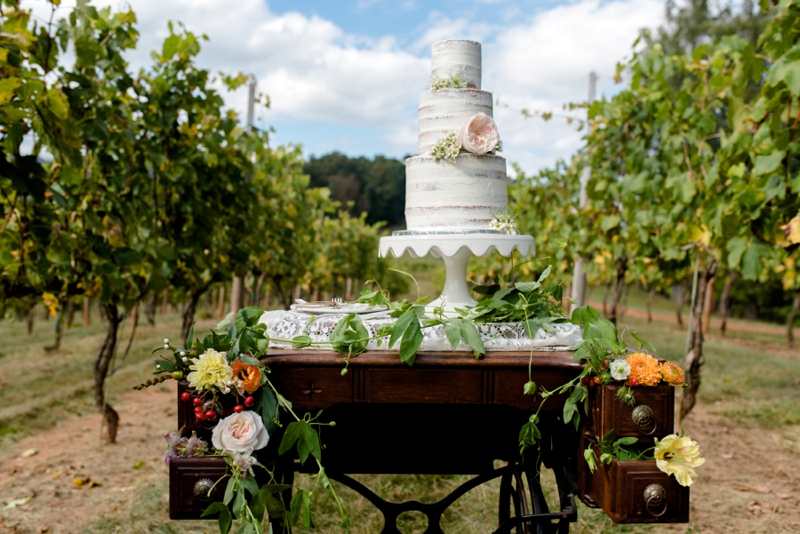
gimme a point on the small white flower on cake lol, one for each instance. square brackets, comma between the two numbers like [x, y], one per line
[479, 134]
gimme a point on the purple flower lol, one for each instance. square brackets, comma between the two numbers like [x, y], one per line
[174, 445]
[195, 446]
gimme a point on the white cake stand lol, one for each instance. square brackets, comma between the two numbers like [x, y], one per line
[455, 250]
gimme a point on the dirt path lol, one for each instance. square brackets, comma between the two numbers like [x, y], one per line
[749, 484]
[72, 479]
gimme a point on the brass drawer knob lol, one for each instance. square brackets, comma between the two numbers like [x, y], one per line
[642, 417]
[655, 499]
[201, 489]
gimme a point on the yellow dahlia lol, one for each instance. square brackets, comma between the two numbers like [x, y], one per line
[678, 455]
[672, 374]
[211, 369]
[644, 370]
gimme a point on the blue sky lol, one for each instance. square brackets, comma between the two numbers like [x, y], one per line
[346, 75]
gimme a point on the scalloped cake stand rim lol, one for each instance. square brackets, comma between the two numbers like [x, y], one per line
[448, 245]
[455, 250]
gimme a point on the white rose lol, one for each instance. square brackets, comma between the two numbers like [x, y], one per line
[479, 134]
[240, 432]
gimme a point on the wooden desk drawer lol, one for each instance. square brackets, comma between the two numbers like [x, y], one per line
[619, 490]
[187, 479]
[607, 412]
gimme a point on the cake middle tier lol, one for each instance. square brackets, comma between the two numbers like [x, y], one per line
[444, 111]
[464, 195]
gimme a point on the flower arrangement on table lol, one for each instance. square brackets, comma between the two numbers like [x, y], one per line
[222, 370]
[609, 360]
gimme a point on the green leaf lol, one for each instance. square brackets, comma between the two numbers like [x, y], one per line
[401, 324]
[167, 366]
[591, 459]
[275, 508]
[307, 523]
[529, 388]
[7, 87]
[58, 103]
[736, 248]
[768, 164]
[601, 329]
[412, 339]
[544, 274]
[226, 500]
[290, 436]
[527, 287]
[609, 221]
[453, 334]
[170, 47]
[625, 441]
[296, 506]
[787, 71]
[471, 336]
[249, 315]
[250, 485]
[224, 516]
[571, 404]
[642, 343]
[190, 338]
[267, 406]
[299, 342]
[308, 443]
[238, 504]
[584, 315]
[752, 263]
[306, 438]
[264, 500]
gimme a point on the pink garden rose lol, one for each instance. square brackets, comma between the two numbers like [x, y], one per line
[240, 432]
[479, 134]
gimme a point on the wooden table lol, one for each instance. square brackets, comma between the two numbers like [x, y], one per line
[448, 414]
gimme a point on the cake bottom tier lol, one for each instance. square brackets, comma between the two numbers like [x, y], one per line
[461, 195]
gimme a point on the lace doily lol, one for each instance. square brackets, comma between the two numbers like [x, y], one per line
[285, 325]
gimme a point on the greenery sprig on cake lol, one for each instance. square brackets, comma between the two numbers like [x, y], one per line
[453, 81]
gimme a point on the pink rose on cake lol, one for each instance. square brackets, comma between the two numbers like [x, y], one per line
[479, 134]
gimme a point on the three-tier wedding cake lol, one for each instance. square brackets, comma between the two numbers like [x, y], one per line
[456, 183]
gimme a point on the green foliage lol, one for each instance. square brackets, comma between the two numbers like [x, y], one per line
[611, 449]
[699, 21]
[375, 186]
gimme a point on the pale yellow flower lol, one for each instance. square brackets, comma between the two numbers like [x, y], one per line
[678, 455]
[211, 369]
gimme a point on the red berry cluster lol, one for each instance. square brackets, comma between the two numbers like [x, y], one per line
[205, 410]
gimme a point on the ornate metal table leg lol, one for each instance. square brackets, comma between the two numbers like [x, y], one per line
[433, 511]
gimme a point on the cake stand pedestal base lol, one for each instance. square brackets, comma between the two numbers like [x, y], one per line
[455, 250]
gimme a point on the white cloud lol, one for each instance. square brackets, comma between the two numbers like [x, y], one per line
[316, 70]
[544, 62]
[440, 27]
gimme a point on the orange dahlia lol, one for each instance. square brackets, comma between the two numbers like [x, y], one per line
[644, 368]
[672, 374]
[250, 375]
